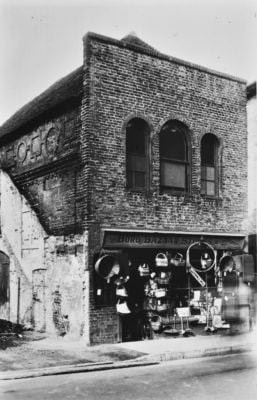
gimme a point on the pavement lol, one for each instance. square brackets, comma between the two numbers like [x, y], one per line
[32, 354]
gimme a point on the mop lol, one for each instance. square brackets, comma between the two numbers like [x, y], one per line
[182, 332]
[207, 328]
[172, 331]
[188, 331]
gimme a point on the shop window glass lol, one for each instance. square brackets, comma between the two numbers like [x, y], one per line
[209, 170]
[137, 137]
[174, 157]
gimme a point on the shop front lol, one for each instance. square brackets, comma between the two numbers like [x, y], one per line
[176, 283]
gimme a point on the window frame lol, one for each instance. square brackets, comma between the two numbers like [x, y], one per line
[134, 157]
[186, 162]
[214, 165]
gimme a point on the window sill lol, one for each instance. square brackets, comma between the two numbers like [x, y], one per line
[138, 191]
[207, 197]
[171, 192]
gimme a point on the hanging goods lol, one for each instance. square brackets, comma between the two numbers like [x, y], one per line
[208, 327]
[122, 308]
[144, 270]
[121, 291]
[107, 266]
[156, 323]
[188, 330]
[207, 260]
[161, 260]
[120, 281]
[151, 303]
[163, 278]
[172, 331]
[160, 293]
[161, 306]
[178, 260]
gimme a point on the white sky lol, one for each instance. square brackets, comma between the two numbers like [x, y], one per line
[41, 40]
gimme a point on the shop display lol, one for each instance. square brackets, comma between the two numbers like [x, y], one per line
[144, 270]
[122, 307]
[184, 293]
[107, 266]
[178, 260]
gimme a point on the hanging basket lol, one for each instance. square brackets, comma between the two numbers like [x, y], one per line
[121, 291]
[163, 278]
[156, 323]
[161, 260]
[144, 270]
[122, 308]
[178, 260]
[159, 293]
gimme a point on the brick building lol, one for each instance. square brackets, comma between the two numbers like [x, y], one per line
[252, 154]
[133, 154]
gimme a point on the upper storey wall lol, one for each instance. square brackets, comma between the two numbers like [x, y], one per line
[126, 83]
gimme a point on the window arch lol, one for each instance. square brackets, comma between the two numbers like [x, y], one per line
[174, 157]
[137, 154]
[209, 165]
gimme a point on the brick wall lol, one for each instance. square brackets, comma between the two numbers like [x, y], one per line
[45, 165]
[125, 83]
[252, 162]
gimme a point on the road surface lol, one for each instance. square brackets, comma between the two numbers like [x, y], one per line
[231, 377]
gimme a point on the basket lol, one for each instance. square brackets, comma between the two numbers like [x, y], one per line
[160, 293]
[121, 291]
[163, 278]
[178, 260]
[156, 323]
[162, 305]
[161, 260]
[144, 270]
[151, 303]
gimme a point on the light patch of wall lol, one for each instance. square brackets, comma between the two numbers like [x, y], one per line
[52, 271]
[22, 239]
[67, 288]
[252, 163]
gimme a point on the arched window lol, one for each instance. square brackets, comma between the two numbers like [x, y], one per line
[174, 157]
[137, 152]
[209, 165]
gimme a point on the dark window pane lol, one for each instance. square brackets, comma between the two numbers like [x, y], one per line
[208, 149]
[139, 179]
[173, 144]
[136, 134]
[173, 175]
[136, 163]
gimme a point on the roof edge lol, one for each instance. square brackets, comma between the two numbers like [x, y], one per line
[22, 116]
[161, 56]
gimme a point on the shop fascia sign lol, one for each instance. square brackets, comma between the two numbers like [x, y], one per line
[196, 276]
[113, 239]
